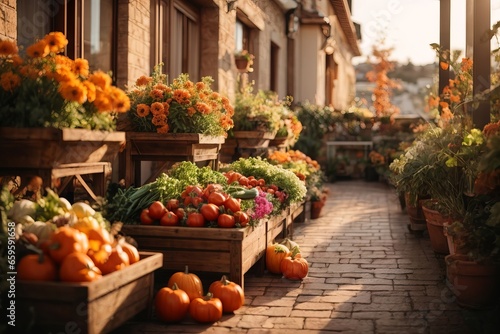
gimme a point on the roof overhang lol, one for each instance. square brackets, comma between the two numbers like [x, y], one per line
[343, 13]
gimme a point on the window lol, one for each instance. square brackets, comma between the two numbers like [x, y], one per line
[242, 33]
[273, 71]
[87, 24]
[175, 37]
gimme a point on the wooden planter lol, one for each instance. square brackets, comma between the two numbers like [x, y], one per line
[54, 153]
[94, 307]
[216, 250]
[253, 139]
[166, 148]
[51, 148]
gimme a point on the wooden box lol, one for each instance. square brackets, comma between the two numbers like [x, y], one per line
[166, 148]
[216, 250]
[94, 307]
[50, 147]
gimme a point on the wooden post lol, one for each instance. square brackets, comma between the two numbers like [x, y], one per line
[444, 39]
[478, 20]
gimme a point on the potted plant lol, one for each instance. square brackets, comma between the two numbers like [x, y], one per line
[244, 60]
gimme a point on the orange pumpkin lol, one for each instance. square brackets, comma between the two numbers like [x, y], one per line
[230, 294]
[78, 267]
[97, 237]
[188, 282]
[275, 253]
[66, 240]
[117, 260]
[171, 304]
[294, 267]
[36, 267]
[206, 309]
[132, 252]
[100, 256]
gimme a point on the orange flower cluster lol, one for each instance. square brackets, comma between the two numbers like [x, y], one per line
[55, 82]
[294, 156]
[181, 107]
[376, 158]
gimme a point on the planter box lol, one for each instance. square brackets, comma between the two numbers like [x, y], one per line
[166, 148]
[94, 307]
[253, 139]
[50, 148]
[216, 250]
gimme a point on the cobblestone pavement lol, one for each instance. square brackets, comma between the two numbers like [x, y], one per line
[368, 274]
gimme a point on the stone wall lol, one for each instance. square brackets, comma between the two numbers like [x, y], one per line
[8, 19]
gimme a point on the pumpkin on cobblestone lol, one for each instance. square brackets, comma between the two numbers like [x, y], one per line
[206, 309]
[275, 253]
[294, 267]
[188, 282]
[171, 304]
[230, 294]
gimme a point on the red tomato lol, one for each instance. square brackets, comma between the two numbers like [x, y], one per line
[145, 218]
[156, 210]
[241, 218]
[195, 219]
[196, 201]
[180, 212]
[210, 189]
[216, 198]
[210, 211]
[169, 219]
[172, 204]
[243, 181]
[261, 182]
[253, 182]
[232, 204]
[226, 221]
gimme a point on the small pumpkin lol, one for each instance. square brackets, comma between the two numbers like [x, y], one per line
[66, 240]
[171, 304]
[188, 282]
[78, 267]
[275, 253]
[117, 260]
[230, 294]
[206, 309]
[131, 250]
[36, 267]
[294, 267]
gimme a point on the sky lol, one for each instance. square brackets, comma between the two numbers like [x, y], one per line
[410, 27]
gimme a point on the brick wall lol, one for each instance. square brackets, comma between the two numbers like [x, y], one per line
[8, 19]
[133, 50]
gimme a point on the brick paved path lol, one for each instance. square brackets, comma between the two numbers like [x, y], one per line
[368, 274]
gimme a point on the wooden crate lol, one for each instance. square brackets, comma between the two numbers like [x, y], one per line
[50, 147]
[166, 148]
[94, 307]
[216, 250]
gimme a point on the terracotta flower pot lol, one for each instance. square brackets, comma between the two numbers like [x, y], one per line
[435, 221]
[316, 207]
[475, 285]
[416, 214]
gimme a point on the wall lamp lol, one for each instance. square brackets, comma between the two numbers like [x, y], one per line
[231, 5]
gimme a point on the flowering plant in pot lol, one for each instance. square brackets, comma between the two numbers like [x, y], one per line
[182, 106]
[244, 60]
[43, 88]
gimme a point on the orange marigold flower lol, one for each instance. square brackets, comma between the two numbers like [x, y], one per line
[8, 48]
[226, 122]
[444, 105]
[9, 81]
[157, 108]
[161, 86]
[91, 90]
[38, 50]
[203, 108]
[143, 80]
[444, 65]
[102, 102]
[491, 129]
[120, 100]
[63, 74]
[188, 84]
[182, 96]
[191, 111]
[162, 129]
[81, 67]
[16, 60]
[454, 98]
[466, 64]
[142, 110]
[159, 120]
[100, 79]
[56, 41]
[156, 94]
[73, 91]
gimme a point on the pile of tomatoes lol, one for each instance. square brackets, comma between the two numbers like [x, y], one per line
[250, 182]
[198, 207]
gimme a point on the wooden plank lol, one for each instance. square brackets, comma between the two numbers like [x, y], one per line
[187, 232]
[182, 243]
